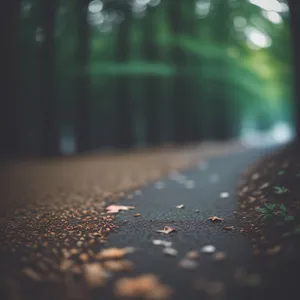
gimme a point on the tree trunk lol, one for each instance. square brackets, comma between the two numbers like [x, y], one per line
[152, 83]
[124, 128]
[50, 122]
[10, 118]
[180, 105]
[295, 25]
[83, 129]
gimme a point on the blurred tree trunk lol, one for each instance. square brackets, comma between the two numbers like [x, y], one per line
[180, 99]
[295, 25]
[10, 118]
[83, 115]
[50, 122]
[221, 115]
[124, 128]
[152, 82]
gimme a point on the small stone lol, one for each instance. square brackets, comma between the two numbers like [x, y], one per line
[162, 242]
[188, 264]
[220, 256]
[208, 249]
[192, 255]
[170, 251]
[224, 195]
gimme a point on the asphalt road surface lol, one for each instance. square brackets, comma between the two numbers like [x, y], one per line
[205, 190]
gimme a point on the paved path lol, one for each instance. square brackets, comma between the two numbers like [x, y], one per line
[200, 189]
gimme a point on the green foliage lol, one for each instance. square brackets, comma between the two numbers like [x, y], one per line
[280, 189]
[269, 211]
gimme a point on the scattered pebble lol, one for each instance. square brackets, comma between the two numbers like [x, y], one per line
[180, 206]
[229, 227]
[192, 254]
[197, 210]
[188, 264]
[170, 251]
[208, 249]
[137, 215]
[162, 242]
[220, 256]
[224, 195]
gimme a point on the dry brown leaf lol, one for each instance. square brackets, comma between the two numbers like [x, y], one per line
[228, 227]
[166, 230]
[32, 274]
[145, 286]
[113, 253]
[220, 256]
[113, 209]
[274, 250]
[118, 265]
[66, 264]
[95, 274]
[192, 254]
[215, 219]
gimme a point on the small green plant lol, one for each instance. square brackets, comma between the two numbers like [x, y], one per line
[284, 212]
[269, 211]
[280, 189]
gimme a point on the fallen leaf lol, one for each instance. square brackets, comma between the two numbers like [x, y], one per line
[144, 286]
[170, 251]
[228, 227]
[274, 250]
[215, 219]
[66, 264]
[192, 255]
[32, 274]
[180, 206]
[118, 265]
[166, 230]
[188, 264]
[95, 275]
[220, 256]
[163, 243]
[113, 253]
[208, 249]
[113, 209]
[137, 215]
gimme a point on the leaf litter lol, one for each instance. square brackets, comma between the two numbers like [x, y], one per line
[215, 219]
[166, 230]
[146, 286]
[113, 209]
